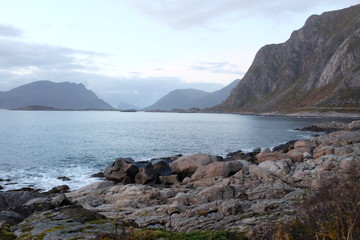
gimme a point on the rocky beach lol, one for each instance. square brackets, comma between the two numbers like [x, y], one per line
[248, 192]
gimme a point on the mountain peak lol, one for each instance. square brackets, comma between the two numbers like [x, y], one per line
[62, 95]
[318, 67]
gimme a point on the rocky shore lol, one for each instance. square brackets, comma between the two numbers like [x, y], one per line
[247, 192]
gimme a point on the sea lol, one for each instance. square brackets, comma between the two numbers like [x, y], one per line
[38, 147]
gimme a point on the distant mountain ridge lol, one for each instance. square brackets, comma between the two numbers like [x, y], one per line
[192, 98]
[178, 99]
[63, 95]
[317, 68]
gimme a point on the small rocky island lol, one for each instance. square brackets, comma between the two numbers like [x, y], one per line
[246, 192]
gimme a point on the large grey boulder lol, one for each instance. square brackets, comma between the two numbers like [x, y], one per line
[122, 170]
[187, 165]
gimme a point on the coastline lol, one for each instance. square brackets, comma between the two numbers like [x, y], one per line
[248, 192]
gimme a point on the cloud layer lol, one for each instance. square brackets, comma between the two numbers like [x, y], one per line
[199, 13]
[10, 31]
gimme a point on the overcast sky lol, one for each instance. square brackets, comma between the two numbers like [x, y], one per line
[136, 51]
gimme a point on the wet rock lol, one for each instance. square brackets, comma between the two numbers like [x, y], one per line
[162, 167]
[284, 148]
[64, 178]
[59, 189]
[122, 170]
[98, 175]
[325, 127]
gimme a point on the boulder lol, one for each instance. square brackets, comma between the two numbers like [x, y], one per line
[284, 148]
[10, 217]
[297, 153]
[175, 207]
[353, 126]
[171, 179]
[280, 169]
[162, 167]
[304, 143]
[217, 192]
[147, 175]
[189, 164]
[217, 169]
[322, 151]
[259, 174]
[122, 170]
[98, 175]
[14, 199]
[230, 207]
[267, 155]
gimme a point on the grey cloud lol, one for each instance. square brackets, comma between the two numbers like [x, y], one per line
[10, 31]
[19, 54]
[189, 13]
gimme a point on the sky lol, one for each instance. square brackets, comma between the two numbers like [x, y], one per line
[136, 51]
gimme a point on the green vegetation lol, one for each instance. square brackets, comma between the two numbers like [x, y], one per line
[5, 233]
[331, 213]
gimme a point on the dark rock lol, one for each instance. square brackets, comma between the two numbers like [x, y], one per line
[256, 150]
[5, 180]
[147, 175]
[64, 178]
[141, 164]
[284, 148]
[13, 199]
[59, 189]
[240, 155]
[10, 217]
[98, 175]
[120, 169]
[162, 167]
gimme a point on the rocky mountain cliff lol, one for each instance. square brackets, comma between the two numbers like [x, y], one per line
[317, 68]
[63, 95]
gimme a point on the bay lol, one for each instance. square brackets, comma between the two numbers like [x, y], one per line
[37, 147]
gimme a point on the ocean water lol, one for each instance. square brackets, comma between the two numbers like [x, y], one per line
[37, 147]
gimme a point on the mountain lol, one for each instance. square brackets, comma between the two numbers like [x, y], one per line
[127, 106]
[216, 97]
[63, 95]
[178, 99]
[318, 68]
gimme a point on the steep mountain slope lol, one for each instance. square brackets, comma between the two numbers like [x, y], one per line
[57, 95]
[317, 68]
[216, 97]
[178, 99]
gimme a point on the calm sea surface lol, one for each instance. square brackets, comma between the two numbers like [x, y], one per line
[37, 147]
